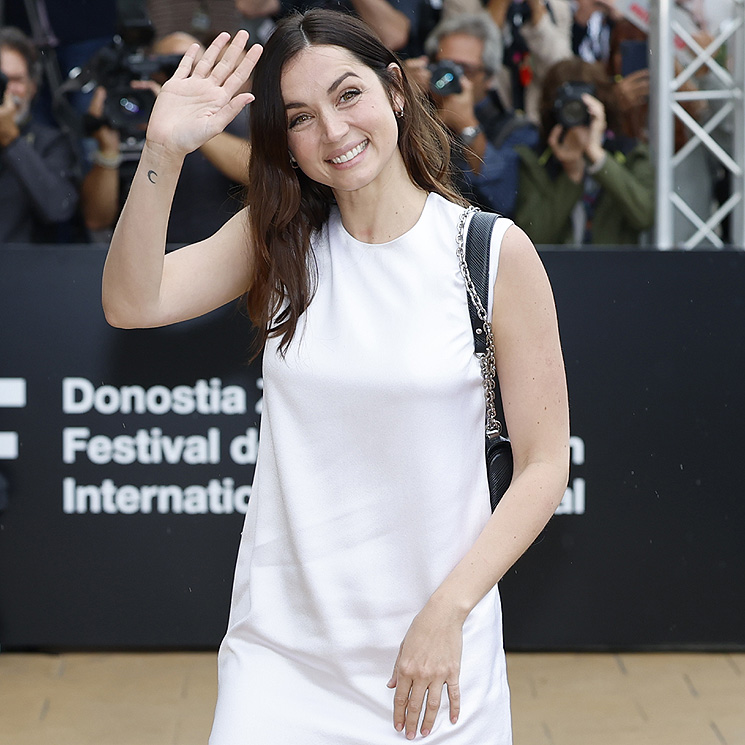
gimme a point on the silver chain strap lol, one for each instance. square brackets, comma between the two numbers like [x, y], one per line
[487, 360]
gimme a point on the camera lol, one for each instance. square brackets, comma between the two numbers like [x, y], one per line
[3, 85]
[113, 67]
[445, 79]
[569, 108]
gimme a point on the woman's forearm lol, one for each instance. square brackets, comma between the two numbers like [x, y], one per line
[134, 266]
[518, 519]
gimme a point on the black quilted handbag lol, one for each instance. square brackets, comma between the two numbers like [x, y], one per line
[474, 261]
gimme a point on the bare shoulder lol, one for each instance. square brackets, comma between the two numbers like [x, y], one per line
[520, 269]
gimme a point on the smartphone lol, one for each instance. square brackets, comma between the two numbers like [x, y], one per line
[3, 86]
[634, 56]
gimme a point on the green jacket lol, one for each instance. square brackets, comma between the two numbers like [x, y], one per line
[624, 208]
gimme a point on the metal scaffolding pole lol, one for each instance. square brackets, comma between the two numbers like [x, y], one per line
[721, 132]
[661, 119]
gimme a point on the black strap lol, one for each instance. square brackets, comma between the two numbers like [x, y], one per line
[478, 245]
[478, 250]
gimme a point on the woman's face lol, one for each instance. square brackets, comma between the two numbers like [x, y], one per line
[341, 124]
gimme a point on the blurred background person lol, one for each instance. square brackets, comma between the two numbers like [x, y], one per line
[394, 24]
[696, 176]
[536, 34]
[402, 25]
[592, 24]
[464, 54]
[212, 175]
[586, 183]
[38, 185]
[202, 19]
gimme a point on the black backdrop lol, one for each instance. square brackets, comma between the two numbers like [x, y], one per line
[646, 551]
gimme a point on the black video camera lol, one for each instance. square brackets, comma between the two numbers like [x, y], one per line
[445, 79]
[115, 66]
[569, 108]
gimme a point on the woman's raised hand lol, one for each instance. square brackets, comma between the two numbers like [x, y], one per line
[204, 95]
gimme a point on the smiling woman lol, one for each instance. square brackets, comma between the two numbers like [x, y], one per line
[345, 136]
[365, 606]
[323, 82]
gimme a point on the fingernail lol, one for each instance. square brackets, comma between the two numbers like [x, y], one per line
[399, 727]
[425, 732]
[410, 735]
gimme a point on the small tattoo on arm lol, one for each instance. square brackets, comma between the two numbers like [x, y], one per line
[152, 176]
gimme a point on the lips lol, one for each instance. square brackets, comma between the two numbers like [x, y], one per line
[355, 151]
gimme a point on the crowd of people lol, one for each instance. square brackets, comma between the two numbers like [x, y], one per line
[546, 101]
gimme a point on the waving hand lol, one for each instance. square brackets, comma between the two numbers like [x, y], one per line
[204, 95]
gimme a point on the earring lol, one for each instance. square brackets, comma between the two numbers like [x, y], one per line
[293, 162]
[399, 114]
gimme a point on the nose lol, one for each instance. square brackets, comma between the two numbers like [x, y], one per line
[335, 126]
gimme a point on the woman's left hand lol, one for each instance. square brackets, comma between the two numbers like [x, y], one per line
[428, 659]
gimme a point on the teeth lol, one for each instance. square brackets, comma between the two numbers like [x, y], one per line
[351, 154]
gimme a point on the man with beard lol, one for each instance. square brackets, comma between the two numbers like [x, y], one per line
[37, 162]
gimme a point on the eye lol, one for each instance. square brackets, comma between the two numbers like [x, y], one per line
[297, 120]
[349, 95]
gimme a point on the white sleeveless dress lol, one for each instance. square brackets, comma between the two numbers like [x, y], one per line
[370, 486]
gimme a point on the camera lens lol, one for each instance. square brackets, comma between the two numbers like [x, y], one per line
[445, 79]
[128, 109]
[569, 108]
[574, 113]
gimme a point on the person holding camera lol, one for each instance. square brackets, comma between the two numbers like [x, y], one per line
[38, 190]
[537, 34]
[463, 55]
[586, 183]
[210, 176]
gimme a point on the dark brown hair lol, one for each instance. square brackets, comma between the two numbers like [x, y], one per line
[285, 207]
[576, 70]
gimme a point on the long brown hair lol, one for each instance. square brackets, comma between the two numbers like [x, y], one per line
[285, 207]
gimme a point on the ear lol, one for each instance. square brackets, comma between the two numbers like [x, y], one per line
[397, 99]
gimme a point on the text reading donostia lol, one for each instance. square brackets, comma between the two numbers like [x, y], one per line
[152, 446]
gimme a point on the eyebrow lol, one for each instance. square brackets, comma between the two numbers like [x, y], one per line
[329, 91]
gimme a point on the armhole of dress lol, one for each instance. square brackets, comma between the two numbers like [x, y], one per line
[500, 228]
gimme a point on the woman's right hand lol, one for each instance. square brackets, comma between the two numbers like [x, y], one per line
[203, 96]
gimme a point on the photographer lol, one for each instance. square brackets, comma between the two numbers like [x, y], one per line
[537, 34]
[37, 162]
[465, 52]
[210, 176]
[586, 183]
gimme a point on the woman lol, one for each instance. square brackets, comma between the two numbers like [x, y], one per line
[368, 554]
[586, 183]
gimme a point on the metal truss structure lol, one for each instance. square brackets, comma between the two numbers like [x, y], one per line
[725, 95]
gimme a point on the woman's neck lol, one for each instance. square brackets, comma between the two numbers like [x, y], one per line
[382, 211]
